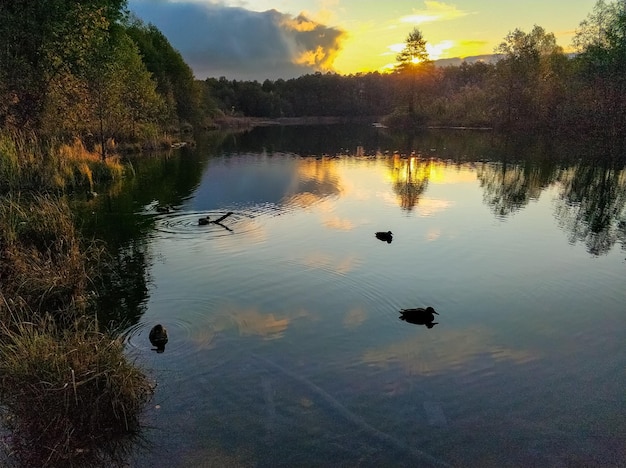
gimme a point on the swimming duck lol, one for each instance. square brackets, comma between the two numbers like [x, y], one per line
[158, 337]
[164, 208]
[419, 316]
[384, 236]
[204, 221]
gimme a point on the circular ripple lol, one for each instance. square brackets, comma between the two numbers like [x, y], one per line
[191, 328]
[179, 332]
[185, 224]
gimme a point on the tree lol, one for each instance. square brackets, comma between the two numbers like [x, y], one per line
[174, 77]
[527, 64]
[416, 67]
[601, 41]
[41, 41]
[592, 31]
[414, 51]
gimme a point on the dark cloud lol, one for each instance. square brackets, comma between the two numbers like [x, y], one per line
[217, 40]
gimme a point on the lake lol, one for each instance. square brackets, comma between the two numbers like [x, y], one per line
[285, 343]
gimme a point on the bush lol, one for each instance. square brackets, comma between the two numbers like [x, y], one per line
[66, 392]
[402, 119]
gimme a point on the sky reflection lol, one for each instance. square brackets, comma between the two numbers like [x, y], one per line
[300, 299]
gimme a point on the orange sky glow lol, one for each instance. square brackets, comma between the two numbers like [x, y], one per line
[255, 38]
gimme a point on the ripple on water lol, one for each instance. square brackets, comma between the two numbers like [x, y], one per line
[244, 221]
[188, 329]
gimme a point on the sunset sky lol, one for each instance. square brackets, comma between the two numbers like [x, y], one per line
[259, 39]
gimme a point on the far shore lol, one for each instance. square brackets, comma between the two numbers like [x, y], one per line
[238, 122]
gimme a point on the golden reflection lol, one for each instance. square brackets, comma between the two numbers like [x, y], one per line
[316, 179]
[303, 200]
[324, 171]
[410, 178]
[328, 262]
[248, 322]
[339, 224]
[431, 206]
[452, 350]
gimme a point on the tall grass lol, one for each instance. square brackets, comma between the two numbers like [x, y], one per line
[29, 163]
[43, 263]
[67, 390]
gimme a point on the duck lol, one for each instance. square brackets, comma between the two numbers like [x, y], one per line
[384, 236]
[164, 208]
[158, 337]
[419, 316]
[204, 221]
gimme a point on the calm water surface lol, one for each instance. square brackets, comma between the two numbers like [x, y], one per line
[285, 344]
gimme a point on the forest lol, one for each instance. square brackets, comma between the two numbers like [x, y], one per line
[93, 70]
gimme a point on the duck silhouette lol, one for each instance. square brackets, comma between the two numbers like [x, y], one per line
[158, 337]
[164, 208]
[419, 316]
[204, 221]
[384, 236]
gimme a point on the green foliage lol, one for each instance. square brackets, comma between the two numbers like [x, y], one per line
[405, 119]
[123, 92]
[174, 78]
[601, 40]
[527, 66]
[309, 95]
[88, 69]
[41, 40]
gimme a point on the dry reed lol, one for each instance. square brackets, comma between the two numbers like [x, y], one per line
[67, 390]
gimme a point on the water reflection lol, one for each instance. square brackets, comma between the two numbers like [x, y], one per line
[410, 179]
[509, 187]
[288, 322]
[471, 351]
[260, 182]
[591, 206]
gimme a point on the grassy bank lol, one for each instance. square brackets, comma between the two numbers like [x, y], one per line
[67, 391]
[28, 163]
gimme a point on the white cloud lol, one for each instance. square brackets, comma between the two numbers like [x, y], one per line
[434, 11]
[219, 40]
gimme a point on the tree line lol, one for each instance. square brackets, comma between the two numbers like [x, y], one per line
[533, 85]
[92, 69]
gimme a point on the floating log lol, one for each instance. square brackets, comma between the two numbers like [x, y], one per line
[222, 218]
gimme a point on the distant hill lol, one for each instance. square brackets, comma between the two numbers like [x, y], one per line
[456, 61]
[487, 58]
